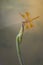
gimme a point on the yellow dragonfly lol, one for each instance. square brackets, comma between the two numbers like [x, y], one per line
[28, 20]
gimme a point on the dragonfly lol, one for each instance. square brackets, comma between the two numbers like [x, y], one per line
[28, 20]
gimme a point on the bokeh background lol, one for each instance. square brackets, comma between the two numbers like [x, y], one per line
[10, 22]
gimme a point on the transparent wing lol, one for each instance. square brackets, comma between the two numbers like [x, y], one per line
[23, 15]
[31, 25]
[26, 15]
[35, 18]
[26, 26]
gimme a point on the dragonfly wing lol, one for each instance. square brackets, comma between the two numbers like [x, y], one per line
[26, 26]
[23, 15]
[35, 18]
[31, 25]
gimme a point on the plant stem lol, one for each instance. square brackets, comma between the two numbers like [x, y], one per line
[19, 53]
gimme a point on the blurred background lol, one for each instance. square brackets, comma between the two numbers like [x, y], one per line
[10, 22]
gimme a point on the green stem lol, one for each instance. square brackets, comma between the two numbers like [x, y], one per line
[19, 53]
[18, 42]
